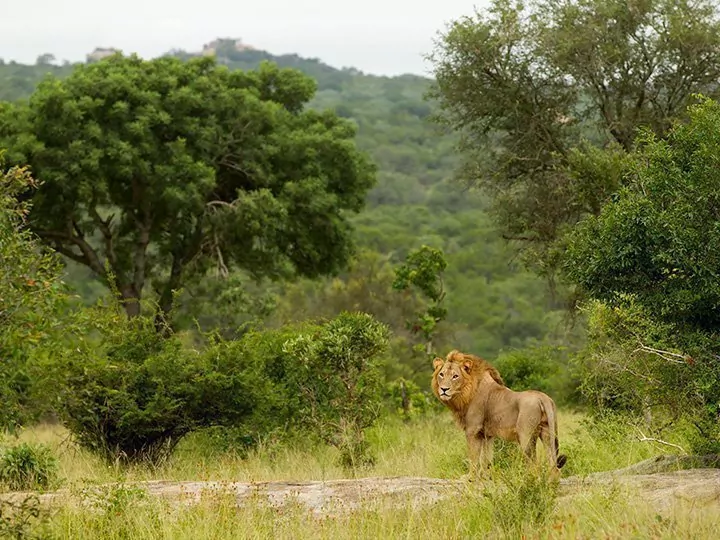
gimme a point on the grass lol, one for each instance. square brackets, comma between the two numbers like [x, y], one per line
[516, 503]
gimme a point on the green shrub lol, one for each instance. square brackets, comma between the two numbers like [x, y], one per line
[407, 399]
[32, 299]
[543, 368]
[134, 394]
[27, 466]
[335, 374]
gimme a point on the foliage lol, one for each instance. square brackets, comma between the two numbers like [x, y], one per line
[408, 399]
[531, 87]
[492, 302]
[131, 394]
[651, 256]
[32, 300]
[162, 168]
[542, 367]
[423, 270]
[336, 375]
[25, 467]
[413, 203]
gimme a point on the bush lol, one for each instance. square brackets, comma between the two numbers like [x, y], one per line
[407, 399]
[27, 466]
[134, 394]
[543, 368]
[32, 297]
[335, 372]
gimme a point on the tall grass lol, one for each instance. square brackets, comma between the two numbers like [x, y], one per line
[514, 502]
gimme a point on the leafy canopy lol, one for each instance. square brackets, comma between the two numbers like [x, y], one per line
[166, 168]
[422, 270]
[659, 239]
[535, 88]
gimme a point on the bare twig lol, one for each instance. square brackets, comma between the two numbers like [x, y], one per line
[220, 203]
[644, 438]
[665, 355]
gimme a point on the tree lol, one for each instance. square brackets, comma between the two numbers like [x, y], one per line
[157, 170]
[45, 59]
[335, 371]
[651, 256]
[423, 270]
[548, 98]
[32, 296]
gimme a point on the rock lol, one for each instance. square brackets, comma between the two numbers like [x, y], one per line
[661, 489]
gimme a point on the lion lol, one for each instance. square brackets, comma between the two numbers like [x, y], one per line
[485, 408]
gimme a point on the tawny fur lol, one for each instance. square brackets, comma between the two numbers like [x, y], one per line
[485, 408]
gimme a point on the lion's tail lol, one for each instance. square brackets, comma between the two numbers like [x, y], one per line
[553, 442]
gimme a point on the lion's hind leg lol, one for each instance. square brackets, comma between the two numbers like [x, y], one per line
[552, 446]
[528, 444]
[528, 431]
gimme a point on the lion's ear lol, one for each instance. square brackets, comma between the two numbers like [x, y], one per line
[467, 366]
[438, 362]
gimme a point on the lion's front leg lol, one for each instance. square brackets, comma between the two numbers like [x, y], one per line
[480, 453]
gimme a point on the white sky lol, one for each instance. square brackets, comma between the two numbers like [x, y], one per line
[385, 37]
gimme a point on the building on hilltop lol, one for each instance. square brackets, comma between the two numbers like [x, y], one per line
[101, 52]
[209, 49]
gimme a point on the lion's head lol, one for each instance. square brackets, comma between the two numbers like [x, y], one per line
[455, 377]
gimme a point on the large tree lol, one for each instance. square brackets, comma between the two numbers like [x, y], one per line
[153, 171]
[548, 97]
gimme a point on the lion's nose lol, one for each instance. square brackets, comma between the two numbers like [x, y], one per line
[444, 390]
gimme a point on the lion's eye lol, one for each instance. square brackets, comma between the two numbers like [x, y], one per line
[455, 376]
[440, 375]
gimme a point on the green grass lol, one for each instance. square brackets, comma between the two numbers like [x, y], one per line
[515, 502]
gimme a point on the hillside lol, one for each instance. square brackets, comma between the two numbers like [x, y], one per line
[493, 304]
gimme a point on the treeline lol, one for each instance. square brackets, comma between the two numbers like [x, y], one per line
[413, 202]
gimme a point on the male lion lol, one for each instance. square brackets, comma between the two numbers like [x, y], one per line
[485, 408]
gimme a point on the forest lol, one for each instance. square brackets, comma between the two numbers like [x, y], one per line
[239, 268]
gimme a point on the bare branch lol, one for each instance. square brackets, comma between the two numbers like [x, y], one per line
[671, 357]
[220, 203]
[643, 438]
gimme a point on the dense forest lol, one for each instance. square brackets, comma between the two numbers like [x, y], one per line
[493, 303]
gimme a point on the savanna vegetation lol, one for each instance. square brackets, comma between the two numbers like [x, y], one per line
[240, 268]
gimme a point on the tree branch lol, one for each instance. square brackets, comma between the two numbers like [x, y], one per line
[104, 226]
[665, 355]
[89, 256]
[643, 438]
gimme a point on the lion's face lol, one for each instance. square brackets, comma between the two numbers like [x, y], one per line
[450, 378]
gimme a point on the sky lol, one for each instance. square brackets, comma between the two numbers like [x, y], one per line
[384, 37]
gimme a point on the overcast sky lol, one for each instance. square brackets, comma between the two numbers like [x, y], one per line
[377, 36]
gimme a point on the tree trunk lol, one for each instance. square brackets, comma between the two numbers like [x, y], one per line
[163, 323]
[130, 300]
